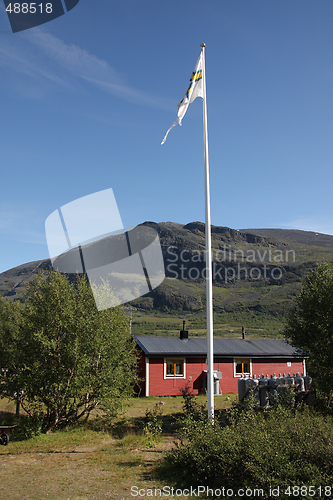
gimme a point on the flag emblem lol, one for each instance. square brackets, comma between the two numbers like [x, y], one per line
[195, 77]
[194, 90]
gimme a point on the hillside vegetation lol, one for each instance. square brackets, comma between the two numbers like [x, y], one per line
[257, 273]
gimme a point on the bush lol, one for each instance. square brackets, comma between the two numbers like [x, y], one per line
[190, 405]
[280, 447]
[153, 425]
[28, 427]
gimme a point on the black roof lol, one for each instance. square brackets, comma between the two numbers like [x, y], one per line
[161, 346]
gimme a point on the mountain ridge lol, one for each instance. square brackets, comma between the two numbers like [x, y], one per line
[257, 272]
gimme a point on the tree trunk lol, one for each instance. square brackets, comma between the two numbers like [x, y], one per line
[17, 406]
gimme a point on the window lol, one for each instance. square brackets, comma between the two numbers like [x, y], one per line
[174, 368]
[242, 367]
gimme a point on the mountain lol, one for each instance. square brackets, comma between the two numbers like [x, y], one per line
[256, 272]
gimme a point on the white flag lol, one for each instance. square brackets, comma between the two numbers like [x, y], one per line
[194, 90]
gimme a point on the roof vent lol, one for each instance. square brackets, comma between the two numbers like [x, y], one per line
[183, 332]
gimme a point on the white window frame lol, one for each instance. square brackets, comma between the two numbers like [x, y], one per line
[172, 377]
[243, 358]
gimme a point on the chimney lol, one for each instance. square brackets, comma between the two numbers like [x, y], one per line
[183, 332]
[243, 332]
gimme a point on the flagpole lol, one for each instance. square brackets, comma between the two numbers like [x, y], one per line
[209, 284]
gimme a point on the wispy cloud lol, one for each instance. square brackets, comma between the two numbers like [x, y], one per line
[46, 59]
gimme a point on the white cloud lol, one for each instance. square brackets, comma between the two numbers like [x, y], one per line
[48, 60]
[17, 57]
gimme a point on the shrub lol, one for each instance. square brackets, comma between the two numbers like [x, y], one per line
[28, 427]
[279, 447]
[153, 425]
[190, 405]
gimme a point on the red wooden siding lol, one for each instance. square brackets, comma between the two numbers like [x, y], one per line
[270, 366]
[160, 386]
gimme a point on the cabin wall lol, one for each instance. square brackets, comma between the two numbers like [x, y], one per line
[159, 385]
[270, 366]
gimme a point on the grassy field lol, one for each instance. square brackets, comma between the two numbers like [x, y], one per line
[229, 326]
[90, 462]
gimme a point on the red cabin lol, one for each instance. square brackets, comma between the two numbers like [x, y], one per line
[167, 364]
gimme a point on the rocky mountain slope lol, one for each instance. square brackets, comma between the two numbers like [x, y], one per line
[255, 271]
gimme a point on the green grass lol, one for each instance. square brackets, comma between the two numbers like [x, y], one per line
[85, 463]
[226, 324]
[260, 307]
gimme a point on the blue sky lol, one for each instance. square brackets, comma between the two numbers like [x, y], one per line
[86, 99]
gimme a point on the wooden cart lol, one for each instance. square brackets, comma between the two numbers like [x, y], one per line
[4, 430]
